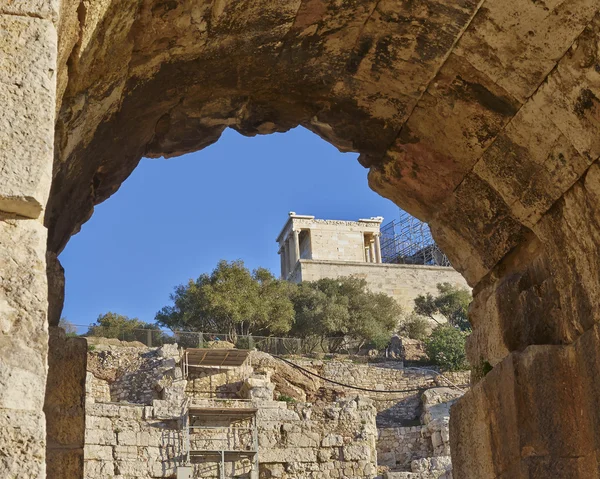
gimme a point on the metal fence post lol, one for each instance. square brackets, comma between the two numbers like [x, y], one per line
[149, 338]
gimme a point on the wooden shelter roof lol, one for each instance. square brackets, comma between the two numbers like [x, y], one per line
[216, 357]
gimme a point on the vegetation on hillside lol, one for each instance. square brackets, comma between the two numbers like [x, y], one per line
[339, 308]
[415, 326]
[236, 301]
[113, 325]
[231, 300]
[446, 348]
[451, 302]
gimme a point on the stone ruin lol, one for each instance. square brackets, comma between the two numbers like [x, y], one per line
[306, 428]
[478, 117]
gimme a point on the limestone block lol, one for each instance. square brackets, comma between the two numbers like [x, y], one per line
[22, 444]
[99, 469]
[531, 416]
[100, 437]
[436, 439]
[125, 453]
[23, 309]
[132, 468]
[98, 452]
[283, 455]
[324, 454]
[127, 438]
[169, 351]
[47, 9]
[503, 31]
[303, 439]
[277, 414]
[332, 440]
[94, 422]
[27, 94]
[356, 452]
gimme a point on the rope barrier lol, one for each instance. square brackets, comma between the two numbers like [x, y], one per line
[307, 372]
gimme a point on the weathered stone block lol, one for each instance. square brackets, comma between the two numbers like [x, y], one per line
[47, 9]
[27, 93]
[23, 307]
[22, 444]
[356, 452]
[284, 455]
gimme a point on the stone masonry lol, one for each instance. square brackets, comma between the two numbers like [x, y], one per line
[312, 249]
[333, 435]
[479, 117]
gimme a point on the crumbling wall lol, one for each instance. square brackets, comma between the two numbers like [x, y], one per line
[297, 440]
[217, 382]
[394, 409]
[397, 447]
[133, 374]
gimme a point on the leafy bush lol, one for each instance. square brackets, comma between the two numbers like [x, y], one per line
[344, 308]
[446, 348]
[415, 327]
[232, 300]
[113, 325]
[450, 302]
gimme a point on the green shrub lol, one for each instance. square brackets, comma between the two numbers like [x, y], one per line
[416, 327]
[446, 348]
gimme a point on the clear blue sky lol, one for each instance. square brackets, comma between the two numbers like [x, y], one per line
[174, 219]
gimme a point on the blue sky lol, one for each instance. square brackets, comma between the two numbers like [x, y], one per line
[174, 219]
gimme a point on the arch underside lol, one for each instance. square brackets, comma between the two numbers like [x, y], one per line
[479, 117]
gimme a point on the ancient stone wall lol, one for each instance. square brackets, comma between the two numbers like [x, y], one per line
[216, 382]
[129, 440]
[297, 440]
[397, 447]
[393, 409]
[318, 440]
[64, 405]
[133, 374]
[402, 282]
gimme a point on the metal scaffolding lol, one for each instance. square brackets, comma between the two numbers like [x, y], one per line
[408, 241]
[219, 433]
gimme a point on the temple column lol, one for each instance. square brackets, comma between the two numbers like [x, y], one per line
[372, 251]
[377, 248]
[296, 239]
[281, 253]
[289, 249]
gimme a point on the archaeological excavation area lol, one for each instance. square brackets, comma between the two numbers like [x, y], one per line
[229, 413]
[479, 117]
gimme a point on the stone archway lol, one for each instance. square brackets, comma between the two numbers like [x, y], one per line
[479, 117]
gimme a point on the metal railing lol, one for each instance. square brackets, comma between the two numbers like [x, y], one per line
[192, 339]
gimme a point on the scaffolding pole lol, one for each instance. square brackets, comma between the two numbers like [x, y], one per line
[408, 240]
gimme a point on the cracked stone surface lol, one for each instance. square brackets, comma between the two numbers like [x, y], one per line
[479, 117]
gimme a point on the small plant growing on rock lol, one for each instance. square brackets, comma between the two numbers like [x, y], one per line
[287, 399]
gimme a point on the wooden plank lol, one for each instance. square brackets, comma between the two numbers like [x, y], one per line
[216, 357]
